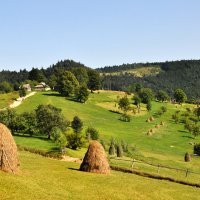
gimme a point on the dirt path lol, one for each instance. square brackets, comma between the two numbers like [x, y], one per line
[20, 100]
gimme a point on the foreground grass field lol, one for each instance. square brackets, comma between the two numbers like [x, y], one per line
[47, 179]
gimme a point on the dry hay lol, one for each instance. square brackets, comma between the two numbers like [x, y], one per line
[95, 159]
[148, 120]
[150, 132]
[8, 151]
[162, 123]
[151, 119]
[157, 126]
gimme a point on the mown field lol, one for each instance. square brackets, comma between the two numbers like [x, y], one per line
[55, 180]
[47, 179]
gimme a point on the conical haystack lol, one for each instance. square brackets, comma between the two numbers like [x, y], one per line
[8, 151]
[95, 159]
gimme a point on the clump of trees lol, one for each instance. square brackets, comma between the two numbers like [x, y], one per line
[46, 120]
[180, 96]
[124, 105]
[92, 133]
[6, 87]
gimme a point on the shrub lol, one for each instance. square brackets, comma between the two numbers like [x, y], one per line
[22, 92]
[164, 109]
[92, 133]
[77, 124]
[125, 117]
[148, 106]
[75, 140]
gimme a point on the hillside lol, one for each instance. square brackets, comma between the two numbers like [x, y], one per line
[166, 146]
[167, 76]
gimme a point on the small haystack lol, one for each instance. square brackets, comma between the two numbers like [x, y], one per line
[148, 120]
[149, 133]
[151, 119]
[157, 126]
[162, 123]
[95, 159]
[8, 151]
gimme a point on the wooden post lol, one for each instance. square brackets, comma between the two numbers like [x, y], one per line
[158, 169]
[133, 163]
[186, 174]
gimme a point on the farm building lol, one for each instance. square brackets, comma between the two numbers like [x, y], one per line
[27, 87]
[42, 87]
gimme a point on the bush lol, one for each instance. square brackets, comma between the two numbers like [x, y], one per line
[148, 106]
[125, 117]
[22, 92]
[77, 124]
[197, 149]
[164, 109]
[75, 140]
[92, 133]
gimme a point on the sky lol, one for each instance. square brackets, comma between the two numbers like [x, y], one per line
[97, 33]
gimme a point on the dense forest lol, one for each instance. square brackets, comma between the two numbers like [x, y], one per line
[183, 74]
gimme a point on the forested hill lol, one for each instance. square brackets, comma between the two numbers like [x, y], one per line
[167, 76]
[14, 77]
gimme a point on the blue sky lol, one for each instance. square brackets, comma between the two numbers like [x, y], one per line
[36, 33]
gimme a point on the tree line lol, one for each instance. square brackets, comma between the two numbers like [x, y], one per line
[177, 74]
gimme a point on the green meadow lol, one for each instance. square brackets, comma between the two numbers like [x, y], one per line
[45, 178]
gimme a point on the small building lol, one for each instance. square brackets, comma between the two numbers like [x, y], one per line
[27, 87]
[42, 87]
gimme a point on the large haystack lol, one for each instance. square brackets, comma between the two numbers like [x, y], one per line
[95, 159]
[8, 151]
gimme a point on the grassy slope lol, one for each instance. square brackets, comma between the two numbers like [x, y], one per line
[46, 179]
[167, 146]
[7, 99]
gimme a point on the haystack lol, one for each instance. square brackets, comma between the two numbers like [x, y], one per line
[95, 159]
[151, 119]
[148, 120]
[162, 123]
[8, 151]
[149, 133]
[157, 126]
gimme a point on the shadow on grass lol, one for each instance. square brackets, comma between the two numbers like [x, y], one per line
[74, 169]
[52, 94]
[190, 137]
[114, 111]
